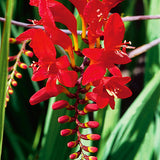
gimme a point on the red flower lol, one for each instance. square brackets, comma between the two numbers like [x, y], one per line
[109, 88]
[51, 11]
[100, 59]
[96, 13]
[48, 65]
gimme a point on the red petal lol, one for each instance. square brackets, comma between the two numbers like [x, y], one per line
[91, 96]
[102, 101]
[114, 70]
[63, 15]
[39, 74]
[111, 3]
[26, 35]
[62, 62]
[68, 78]
[43, 46]
[58, 37]
[94, 54]
[39, 96]
[92, 73]
[113, 32]
[79, 4]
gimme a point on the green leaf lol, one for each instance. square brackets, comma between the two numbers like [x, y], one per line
[4, 51]
[129, 135]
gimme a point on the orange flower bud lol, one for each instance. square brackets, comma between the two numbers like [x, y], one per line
[75, 155]
[93, 137]
[10, 90]
[90, 157]
[12, 40]
[92, 124]
[14, 83]
[67, 132]
[65, 118]
[91, 108]
[12, 58]
[72, 144]
[28, 53]
[18, 75]
[22, 65]
[7, 98]
[60, 104]
[90, 149]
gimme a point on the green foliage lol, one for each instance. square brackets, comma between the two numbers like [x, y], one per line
[4, 52]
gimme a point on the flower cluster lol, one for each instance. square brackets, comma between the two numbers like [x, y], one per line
[98, 69]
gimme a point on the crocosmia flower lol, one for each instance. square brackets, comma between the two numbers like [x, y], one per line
[100, 59]
[108, 89]
[96, 14]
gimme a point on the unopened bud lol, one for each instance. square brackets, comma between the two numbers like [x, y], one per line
[92, 124]
[12, 58]
[60, 104]
[72, 144]
[14, 83]
[10, 90]
[12, 40]
[18, 75]
[93, 137]
[67, 132]
[28, 53]
[22, 65]
[65, 119]
[91, 108]
[75, 155]
[90, 157]
[90, 149]
[7, 98]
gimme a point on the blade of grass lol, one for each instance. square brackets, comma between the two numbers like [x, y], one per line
[3, 66]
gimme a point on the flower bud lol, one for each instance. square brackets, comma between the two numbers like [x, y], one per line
[18, 75]
[12, 40]
[90, 149]
[93, 137]
[65, 119]
[72, 144]
[22, 65]
[75, 155]
[14, 83]
[12, 58]
[90, 157]
[28, 53]
[7, 98]
[60, 104]
[91, 108]
[67, 132]
[10, 90]
[90, 124]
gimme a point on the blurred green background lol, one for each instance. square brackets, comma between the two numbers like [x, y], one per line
[130, 132]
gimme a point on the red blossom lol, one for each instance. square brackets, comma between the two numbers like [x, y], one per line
[96, 13]
[108, 89]
[100, 59]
